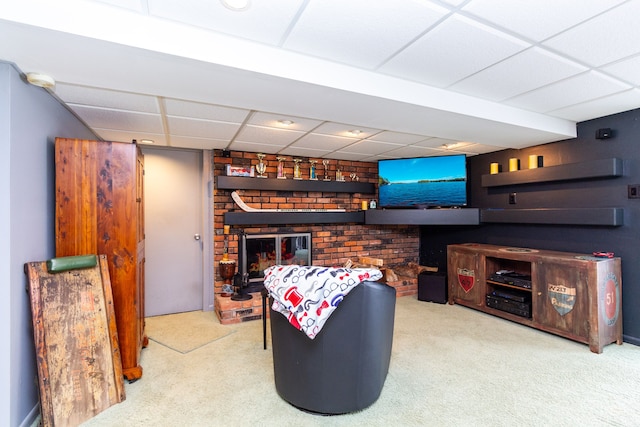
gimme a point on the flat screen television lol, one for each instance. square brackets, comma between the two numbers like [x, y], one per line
[423, 182]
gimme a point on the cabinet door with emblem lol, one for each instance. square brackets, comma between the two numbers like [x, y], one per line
[466, 280]
[561, 298]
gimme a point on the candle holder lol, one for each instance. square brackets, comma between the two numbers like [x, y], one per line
[281, 174]
[240, 284]
[261, 167]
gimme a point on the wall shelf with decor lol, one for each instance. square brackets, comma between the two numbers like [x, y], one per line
[280, 218]
[457, 216]
[601, 168]
[612, 217]
[248, 183]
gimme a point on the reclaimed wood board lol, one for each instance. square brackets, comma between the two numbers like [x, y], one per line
[76, 342]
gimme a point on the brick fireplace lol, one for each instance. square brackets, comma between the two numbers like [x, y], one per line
[332, 244]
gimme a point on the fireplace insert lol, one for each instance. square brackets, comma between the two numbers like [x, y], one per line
[260, 251]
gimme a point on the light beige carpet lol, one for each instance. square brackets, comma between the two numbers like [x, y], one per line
[185, 332]
[450, 366]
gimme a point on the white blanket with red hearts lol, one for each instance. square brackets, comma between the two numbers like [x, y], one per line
[307, 295]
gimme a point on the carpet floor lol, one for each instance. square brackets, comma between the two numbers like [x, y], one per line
[450, 366]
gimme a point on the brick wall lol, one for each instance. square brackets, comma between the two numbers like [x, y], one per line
[332, 244]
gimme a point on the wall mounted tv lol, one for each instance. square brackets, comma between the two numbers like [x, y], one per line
[423, 182]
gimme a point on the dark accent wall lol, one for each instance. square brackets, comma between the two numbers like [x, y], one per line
[590, 193]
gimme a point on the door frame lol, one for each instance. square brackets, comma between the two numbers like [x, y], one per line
[207, 230]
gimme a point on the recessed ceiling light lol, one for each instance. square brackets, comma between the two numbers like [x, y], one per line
[286, 122]
[355, 132]
[41, 80]
[146, 141]
[236, 5]
[450, 145]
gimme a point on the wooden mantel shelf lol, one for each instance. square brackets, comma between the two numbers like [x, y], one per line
[246, 183]
[274, 218]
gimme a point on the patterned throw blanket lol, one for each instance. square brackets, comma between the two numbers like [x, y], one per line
[307, 295]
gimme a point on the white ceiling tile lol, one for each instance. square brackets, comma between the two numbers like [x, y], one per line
[477, 149]
[454, 2]
[129, 136]
[341, 129]
[119, 120]
[412, 151]
[538, 19]
[83, 95]
[506, 79]
[303, 152]
[266, 135]
[431, 60]
[273, 120]
[370, 147]
[198, 143]
[581, 88]
[201, 128]
[397, 137]
[603, 39]
[265, 22]
[628, 70]
[343, 155]
[438, 143]
[624, 101]
[356, 32]
[135, 5]
[254, 147]
[179, 108]
[323, 142]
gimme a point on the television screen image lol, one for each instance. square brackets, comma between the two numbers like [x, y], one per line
[423, 182]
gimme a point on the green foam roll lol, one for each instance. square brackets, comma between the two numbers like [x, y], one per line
[71, 263]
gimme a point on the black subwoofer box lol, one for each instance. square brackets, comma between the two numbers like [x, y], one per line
[432, 287]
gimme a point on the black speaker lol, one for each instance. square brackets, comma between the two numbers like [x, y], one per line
[604, 133]
[432, 287]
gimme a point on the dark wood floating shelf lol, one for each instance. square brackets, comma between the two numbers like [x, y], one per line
[273, 218]
[612, 217]
[247, 183]
[462, 216]
[601, 168]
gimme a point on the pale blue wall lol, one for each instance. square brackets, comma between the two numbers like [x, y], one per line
[30, 120]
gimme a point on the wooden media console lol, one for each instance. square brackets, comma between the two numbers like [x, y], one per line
[573, 295]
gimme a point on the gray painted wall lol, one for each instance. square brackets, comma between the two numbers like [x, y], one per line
[30, 119]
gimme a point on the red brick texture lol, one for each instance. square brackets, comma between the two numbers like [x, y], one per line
[332, 244]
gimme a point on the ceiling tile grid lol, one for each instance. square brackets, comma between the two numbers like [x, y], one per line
[356, 32]
[569, 60]
[430, 60]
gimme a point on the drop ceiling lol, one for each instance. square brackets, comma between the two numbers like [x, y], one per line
[413, 77]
